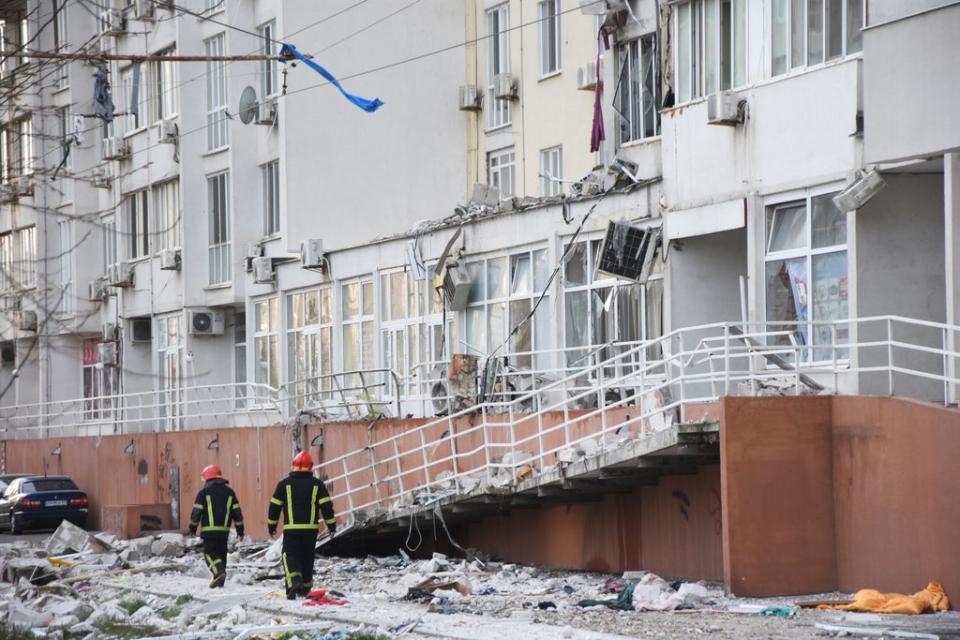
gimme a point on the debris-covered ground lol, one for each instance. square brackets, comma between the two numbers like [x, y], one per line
[77, 585]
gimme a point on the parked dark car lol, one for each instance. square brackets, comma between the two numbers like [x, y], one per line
[42, 502]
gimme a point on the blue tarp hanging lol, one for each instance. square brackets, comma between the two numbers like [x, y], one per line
[288, 50]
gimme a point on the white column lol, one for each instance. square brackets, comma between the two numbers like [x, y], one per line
[951, 216]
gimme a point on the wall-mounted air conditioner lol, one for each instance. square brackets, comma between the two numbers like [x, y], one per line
[311, 254]
[263, 272]
[506, 86]
[170, 259]
[111, 22]
[205, 322]
[28, 320]
[471, 97]
[108, 331]
[267, 111]
[724, 109]
[456, 286]
[145, 10]
[100, 179]
[96, 290]
[169, 132]
[115, 148]
[120, 274]
[587, 76]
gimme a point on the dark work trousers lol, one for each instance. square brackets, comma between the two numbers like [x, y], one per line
[297, 559]
[215, 553]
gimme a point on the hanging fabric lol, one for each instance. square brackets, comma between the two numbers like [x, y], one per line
[596, 134]
[102, 102]
[135, 91]
[288, 52]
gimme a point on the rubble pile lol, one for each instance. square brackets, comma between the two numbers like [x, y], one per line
[91, 586]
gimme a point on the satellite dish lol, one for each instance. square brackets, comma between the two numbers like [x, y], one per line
[248, 105]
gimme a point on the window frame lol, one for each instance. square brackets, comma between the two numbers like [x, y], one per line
[363, 320]
[164, 93]
[498, 156]
[499, 112]
[632, 51]
[218, 125]
[706, 48]
[67, 275]
[270, 197]
[60, 41]
[551, 162]
[100, 384]
[269, 69]
[788, 10]
[169, 349]
[220, 229]
[317, 360]
[136, 216]
[545, 22]
[168, 223]
[270, 337]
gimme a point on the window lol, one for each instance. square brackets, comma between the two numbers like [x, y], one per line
[638, 89]
[8, 280]
[218, 193]
[109, 246]
[500, 171]
[357, 322]
[551, 171]
[218, 131]
[163, 87]
[66, 306]
[60, 41]
[24, 151]
[498, 61]
[266, 354]
[99, 382]
[711, 47]
[170, 369]
[138, 231]
[25, 257]
[271, 198]
[310, 344]
[806, 273]
[269, 69]
[167, 216]
[548, 12]
[214, 6]
[240, 356]
[501, 296]
[808, 32]
[600, 309]
[132, 121]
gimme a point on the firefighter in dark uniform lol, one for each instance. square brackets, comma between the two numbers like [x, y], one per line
[303, 500]
[215, 508]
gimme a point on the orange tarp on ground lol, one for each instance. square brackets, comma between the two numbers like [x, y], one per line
[931, 599]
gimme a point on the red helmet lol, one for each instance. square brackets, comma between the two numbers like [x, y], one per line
[302, 462]
[210, 472]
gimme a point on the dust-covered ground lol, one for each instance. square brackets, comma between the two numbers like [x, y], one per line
[157, 587]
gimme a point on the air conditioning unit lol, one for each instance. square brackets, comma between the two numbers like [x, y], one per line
[506, 86]
[263, 271]
[471, 97]
[205, 322]
[107, 353]
[141, 330]
[28, 320]
[146, 10]
[724, 109]
[115, 148]
[96, 290]
[169, 132]
[100, 179]
[254, 250]
[170, 259]
[111, 22]
[456, 286]
[22, 186]
[857, 194]
[267, 111]
[587, 76]
[108, 331]
[120, 275]
[8, 356]
[311, 254]
[601, 7]
[7, 193]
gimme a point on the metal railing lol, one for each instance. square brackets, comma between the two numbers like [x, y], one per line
[637, 392]
[176, 409]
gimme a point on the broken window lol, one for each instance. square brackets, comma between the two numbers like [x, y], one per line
[310, 344]
[711, 47]
[806, 276]
[358, 339]
[551, 171]
[99, 382]
[501, 166]
[603, 311]
[266, 342]
[638, 89]
[808, 32]
[505, 288]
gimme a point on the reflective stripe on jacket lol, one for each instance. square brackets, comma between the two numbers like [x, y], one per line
[302, 499]
[216, 507]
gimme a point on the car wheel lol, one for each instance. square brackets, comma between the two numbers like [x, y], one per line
[16, 527]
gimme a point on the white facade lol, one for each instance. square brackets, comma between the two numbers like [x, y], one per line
[749, 229]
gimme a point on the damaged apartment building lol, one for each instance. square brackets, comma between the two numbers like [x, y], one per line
[563, 208]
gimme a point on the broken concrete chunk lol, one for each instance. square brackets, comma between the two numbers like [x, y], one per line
[165, 548]
[69, 538]
[34, 570]
[69, 607]
[64, 622]
[142, 614]
[107, 612]
[19, 615]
